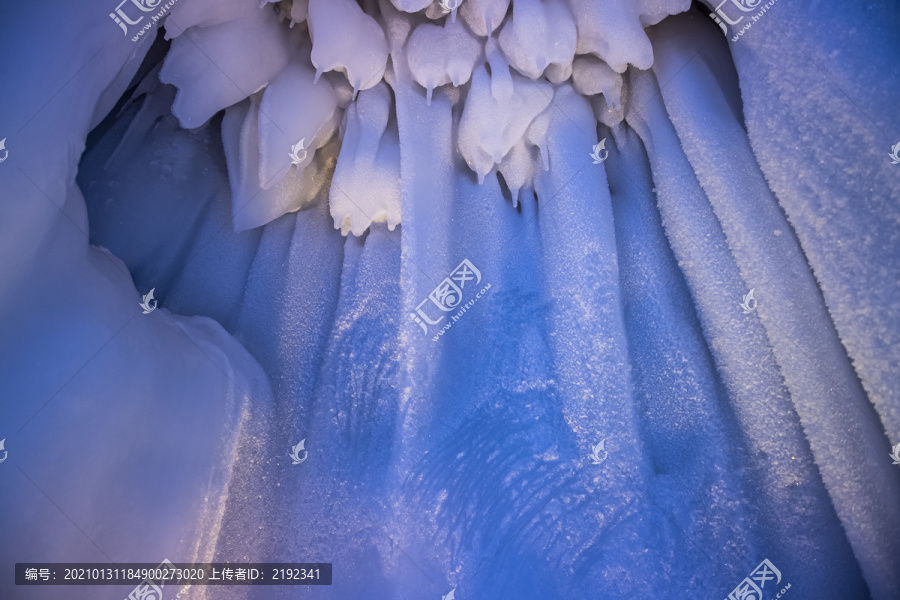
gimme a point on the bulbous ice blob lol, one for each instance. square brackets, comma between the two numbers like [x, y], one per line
[518, 168]
[590, 75]
[540, 33]
[536, 135]
[299, 11]
[397, 25]
[557, 73]
[484, 16]
[215, 67]
[296, 10]
[293, 108]
[205, 13]
[346, 38]
[489, 128]
[365, 188]
[440, 55]
[614, 31]
[252, 206]
[411, 5]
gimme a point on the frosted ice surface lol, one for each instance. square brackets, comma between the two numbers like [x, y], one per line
[346, 38]
[439, 55]
[211, 76]
[539, 33]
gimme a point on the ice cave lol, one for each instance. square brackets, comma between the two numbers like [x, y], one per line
[468, 299]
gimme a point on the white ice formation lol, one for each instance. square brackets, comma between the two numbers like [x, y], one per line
[508, 76]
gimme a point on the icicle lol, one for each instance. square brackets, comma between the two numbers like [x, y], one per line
[355, 90]
[501, 79]
[428, 91]
[293, 22]
[545, 156]
[319, 74]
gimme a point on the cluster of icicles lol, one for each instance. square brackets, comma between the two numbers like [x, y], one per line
[305, 87]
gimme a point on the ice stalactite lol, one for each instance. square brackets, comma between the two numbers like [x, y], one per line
[362, 56]
[365, 188]
[441, 55]
[211, 76]
[539, 35]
